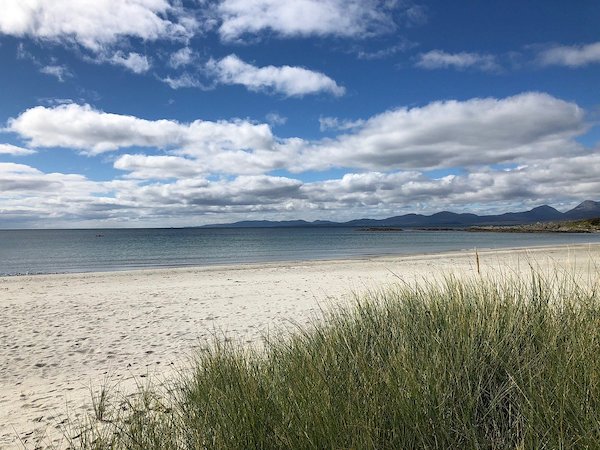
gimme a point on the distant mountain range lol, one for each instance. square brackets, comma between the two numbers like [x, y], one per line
[587, 210]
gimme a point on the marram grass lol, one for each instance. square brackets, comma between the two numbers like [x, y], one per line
[480, 364]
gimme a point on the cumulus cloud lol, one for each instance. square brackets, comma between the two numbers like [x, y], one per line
[475, 132]
[182, 57]
[106, 30]
[439, 59]
[571, 56]
[94, 24]
[86, 129]
[454, 133]
[287, 80]
[347, 18]
[9, 149]
[156, 167]
[133, 62]
[102, 31]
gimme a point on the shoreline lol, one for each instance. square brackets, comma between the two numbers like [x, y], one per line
[257, 264]
[62, 333]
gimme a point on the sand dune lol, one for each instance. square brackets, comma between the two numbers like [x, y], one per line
[61, 334]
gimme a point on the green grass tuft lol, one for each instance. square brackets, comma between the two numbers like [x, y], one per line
[508, 364]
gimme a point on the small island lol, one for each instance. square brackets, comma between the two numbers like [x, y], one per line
[576, 226]
[380, 229]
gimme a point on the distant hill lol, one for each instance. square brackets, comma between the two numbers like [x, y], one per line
[445, 219]
[586, 210]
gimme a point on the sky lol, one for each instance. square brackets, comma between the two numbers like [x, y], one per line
[160, 113]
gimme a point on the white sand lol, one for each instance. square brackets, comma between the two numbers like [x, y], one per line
[62, 333]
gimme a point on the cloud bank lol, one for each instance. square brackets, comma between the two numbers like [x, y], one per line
[512, 151]
[70, 199]
[441, 134]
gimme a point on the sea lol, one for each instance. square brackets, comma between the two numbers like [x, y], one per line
[68, 251]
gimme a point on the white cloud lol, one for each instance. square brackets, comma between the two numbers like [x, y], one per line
[181, 57]
[9, 149]
[157, 167]
[385, 52]
[94, 24]
[23, 179]
[453, 133]
[86, 129]
[60, 72]
[184, 80]
[554, 180]
[275, 119]
[101, 31]
[254, 191]
[571, 56]
[287, 80]
[134, 62]
[83, 128]
[476, 132]
[438, 59]
[347, 18]
[28, 195]
[333, 123]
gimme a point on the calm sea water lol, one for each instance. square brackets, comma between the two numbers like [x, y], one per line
[52, 251]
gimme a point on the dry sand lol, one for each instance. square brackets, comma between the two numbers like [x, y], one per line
[61, 334]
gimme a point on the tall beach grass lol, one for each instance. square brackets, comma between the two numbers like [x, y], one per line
[508, 363]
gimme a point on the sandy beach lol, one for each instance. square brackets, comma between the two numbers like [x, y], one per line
[61, 334]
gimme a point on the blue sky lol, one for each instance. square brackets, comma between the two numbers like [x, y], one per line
[173, 113]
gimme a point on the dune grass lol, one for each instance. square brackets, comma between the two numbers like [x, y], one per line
[512, 363]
